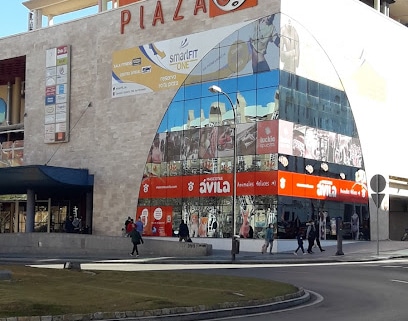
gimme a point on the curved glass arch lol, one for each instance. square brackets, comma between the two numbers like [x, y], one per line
[281, 116]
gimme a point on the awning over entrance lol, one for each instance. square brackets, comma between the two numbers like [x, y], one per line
[41, 178]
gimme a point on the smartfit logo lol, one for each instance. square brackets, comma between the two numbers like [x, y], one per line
[220, 7]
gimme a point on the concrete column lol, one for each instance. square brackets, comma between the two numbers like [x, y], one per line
[49, 216]
[377, 5]
[386, 8]
[104, 5]
[8, 111]
[30, 21]
[16, 101]
[15, 218]
[37, 19]
[50, 20]
[30, 212]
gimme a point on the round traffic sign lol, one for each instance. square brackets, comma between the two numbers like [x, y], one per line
[378, 183]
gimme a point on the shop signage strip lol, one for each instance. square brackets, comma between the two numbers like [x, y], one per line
[254, 183]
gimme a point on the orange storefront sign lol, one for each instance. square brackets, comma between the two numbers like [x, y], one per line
[126, 2]
[254, 183]
[220, 7]
[248, 183]
[316, 187]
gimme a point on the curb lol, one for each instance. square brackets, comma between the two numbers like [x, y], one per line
[196, 313]
[333, 259]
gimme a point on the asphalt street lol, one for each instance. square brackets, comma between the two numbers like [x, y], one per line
[312, 272]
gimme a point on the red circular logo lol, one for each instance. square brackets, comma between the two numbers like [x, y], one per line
[228, 5]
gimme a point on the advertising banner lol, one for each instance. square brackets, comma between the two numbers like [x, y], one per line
[248, 183]
[267, 140]
[157, 220]
[255, 183]
[316, 187]
[166, 64]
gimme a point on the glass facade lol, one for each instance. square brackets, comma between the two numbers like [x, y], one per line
[298, 153]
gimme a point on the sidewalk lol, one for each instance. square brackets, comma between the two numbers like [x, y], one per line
[352, 252]
[357, 251]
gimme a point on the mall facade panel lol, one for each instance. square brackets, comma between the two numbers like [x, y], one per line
[308, 100]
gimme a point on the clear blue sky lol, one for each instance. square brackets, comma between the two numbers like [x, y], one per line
[14, 17]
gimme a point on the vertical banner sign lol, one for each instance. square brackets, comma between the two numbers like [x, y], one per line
[57, 87]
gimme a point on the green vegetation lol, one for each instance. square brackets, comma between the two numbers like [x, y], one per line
[35, 291]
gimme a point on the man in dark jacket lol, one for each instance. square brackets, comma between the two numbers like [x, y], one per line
[310, 235]
[184, 233]
[318, 231]
[136, 240]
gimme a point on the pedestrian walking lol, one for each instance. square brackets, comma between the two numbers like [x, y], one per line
[184, 234]
[136, 239]
[129, 227]
[269, 237]
[318, 231]
[127, 222]
[299, 239]
[310, 235]
[139, 225]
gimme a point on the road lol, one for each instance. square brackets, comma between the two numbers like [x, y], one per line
[349, 291]
[367, 290]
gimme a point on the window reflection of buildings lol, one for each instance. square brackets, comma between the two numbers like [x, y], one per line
[322, 111]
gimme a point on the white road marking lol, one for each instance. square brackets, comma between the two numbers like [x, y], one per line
[399, 281]
[392, 266]
[133, 265]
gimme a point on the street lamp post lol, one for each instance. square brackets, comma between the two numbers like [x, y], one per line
[234, 247]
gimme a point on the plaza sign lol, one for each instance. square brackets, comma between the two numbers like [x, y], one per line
[216, 8]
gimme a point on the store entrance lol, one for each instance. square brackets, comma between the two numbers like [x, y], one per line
[59, 214]
[42, 216]
[11, 213]
[50, 216]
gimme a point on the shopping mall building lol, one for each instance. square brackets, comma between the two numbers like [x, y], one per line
[112, 115]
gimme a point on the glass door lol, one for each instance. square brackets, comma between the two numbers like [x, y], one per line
[41, 217]
[6, 217]
[58, 216]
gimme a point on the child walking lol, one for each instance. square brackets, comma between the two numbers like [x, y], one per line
[269, 237]
[300, 243]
